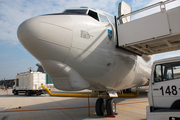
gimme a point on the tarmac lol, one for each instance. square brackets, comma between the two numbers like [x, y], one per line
[45, 107]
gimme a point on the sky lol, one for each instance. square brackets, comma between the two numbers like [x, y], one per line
[13, 56]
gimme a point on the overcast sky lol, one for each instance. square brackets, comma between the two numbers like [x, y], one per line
[13, 56]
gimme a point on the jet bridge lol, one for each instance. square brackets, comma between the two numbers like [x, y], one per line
[156, 33]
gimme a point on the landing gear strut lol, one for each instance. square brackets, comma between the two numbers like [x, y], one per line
[105, 106]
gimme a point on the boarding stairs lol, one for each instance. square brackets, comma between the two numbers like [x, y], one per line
[156, 33]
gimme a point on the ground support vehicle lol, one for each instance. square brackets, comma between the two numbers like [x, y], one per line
[29, 83]
[164, 90]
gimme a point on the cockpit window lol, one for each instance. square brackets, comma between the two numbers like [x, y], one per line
[103, 18]
[75, 11]
[93, 14]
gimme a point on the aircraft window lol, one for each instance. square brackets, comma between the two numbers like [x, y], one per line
[75, 11]
[110, 18]
[167, 71]
[93, 14]
[103, 18]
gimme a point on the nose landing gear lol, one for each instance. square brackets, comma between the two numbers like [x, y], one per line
[105, 106]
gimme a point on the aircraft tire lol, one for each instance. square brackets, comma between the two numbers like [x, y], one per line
[99, 107]
[111, 106]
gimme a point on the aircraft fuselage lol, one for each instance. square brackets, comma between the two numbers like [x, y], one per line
[78, 52]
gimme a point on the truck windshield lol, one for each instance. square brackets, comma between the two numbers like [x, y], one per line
[167, 71]
[75, 11]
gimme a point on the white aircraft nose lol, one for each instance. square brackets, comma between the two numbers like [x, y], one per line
[47, 37]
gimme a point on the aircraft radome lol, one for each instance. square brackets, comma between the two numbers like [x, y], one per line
[77, 48]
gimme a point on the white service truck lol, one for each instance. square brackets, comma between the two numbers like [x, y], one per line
[164, 90]
[29, 83]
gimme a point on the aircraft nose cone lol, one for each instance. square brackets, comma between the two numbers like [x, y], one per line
[28, 32]
[47, 37]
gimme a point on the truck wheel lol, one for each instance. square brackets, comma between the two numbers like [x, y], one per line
[15, 92]
[175, 105]
[28, 93]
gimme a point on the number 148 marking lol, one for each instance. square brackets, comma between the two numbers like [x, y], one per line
[173, 90]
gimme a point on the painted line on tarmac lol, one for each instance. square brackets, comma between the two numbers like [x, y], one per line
[132, 107]
[72, 114]
[50, 116]
[132, 103]
[45, 109]
[64, 108]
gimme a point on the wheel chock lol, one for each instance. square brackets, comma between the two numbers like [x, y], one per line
[17, 107]
[110, 116]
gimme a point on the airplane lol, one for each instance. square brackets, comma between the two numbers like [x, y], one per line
[77, 48]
